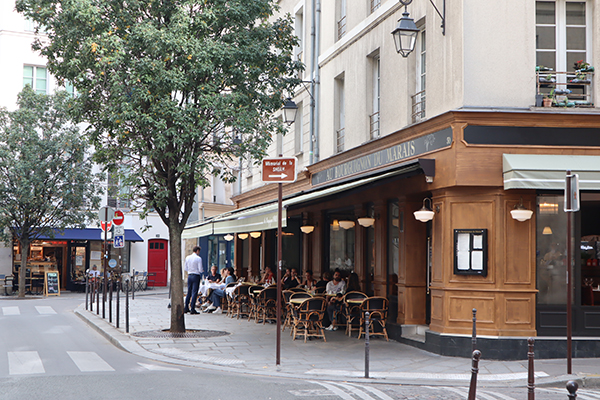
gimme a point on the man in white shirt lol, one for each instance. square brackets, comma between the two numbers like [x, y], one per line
[193, 266]
[338, 287]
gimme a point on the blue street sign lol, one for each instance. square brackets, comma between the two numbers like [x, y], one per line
[119, 241]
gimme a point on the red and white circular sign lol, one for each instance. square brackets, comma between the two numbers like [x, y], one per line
[103, 225]
[119, 217]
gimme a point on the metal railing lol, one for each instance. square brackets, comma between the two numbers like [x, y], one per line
[418, 106]
[375, 4]
[340, 135]
[374, 125]
[341, 25]
[566, 89]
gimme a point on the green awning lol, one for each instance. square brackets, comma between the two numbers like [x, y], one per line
[548, 171]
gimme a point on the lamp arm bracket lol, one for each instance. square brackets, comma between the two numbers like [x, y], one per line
[442, 14]
[307, 89]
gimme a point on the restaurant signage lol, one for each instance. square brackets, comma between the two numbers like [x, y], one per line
[386, 157]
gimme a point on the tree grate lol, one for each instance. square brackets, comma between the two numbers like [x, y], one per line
[188, 334]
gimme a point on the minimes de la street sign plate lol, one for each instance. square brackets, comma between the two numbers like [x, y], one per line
[279, 170]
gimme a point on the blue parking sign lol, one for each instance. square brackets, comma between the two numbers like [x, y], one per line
[119, 241]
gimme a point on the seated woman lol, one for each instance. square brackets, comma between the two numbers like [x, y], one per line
[353, 283]
[325, 278]
[217, 294]
[309, 282]
[292, 280]
[268, 277]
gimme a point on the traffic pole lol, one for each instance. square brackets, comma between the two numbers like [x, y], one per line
[279, 256]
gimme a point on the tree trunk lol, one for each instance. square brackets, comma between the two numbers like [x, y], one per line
[23, 270]
[177, 319]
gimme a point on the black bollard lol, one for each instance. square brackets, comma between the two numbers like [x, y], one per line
[118, 299]
[87, 282]
[132, 284]
[530, 377]
[367, 344]
[572, 389]
[97, 291]
[474, 335]
[110, 290]
[127, 306]
[474, 372]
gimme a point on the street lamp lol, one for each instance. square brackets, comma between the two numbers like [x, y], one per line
[289, 111]
[405, 34]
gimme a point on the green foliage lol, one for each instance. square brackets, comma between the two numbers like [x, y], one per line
[167, 85]
[45, 176]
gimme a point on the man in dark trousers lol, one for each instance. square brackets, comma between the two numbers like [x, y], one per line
[193, 266]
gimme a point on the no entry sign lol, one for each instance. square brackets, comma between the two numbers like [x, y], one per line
[119, 217]
[279, 170]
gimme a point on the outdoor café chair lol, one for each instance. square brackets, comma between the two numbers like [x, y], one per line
[378, 311]
[228, 299]
[287, 321]
[254, 291]
[351, 310]
[293, 303]
[267, 305]
[241, 301]
[297, 289]
[309, 319]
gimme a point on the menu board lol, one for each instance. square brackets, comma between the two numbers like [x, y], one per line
[51, 284]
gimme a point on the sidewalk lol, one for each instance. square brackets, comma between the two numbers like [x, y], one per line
[248, 347]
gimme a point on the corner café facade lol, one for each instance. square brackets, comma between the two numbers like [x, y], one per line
[71, 252]
[475, 167]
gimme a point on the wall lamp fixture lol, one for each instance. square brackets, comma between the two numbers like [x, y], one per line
[405, 34]
[243, 236]
[424, 214]
[520, 213]
[228, 237]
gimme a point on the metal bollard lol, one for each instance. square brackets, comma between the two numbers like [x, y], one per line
[110, 291]
[127, 306]
[530, 377]
[87, 282]
[572, 389]
[118, 299]
[474, 372]
[367, 315]
[97, 291]
[474, 335]
[133, 284]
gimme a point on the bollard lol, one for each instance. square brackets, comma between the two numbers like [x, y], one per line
[367, 344]
[87, 282]
[474, 372]
[474, 335]
[572, 389]
[133, 284]
[118, 299]
[530, 377]
[127, 306]
[97, 296]
[110, 290]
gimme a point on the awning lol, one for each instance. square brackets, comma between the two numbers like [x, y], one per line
[264, 216]
[547, 171]
[90, 234]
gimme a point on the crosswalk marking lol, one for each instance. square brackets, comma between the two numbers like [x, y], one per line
[152, 367]
[335, 390]
[24, 363]
[376, 392]
[88, 361]
[481, 394]
[45, 310]
[11, 311]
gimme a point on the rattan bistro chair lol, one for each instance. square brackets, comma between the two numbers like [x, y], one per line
[267, 305]
[254, 292]
[378, 312]
[351, 310]
[294, 306]
[229, 299]
[309, 319]
[241, 301]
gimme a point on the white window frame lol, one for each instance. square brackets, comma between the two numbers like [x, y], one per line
[34, 78]
[299, 31]
[375, 97]
[299, 131]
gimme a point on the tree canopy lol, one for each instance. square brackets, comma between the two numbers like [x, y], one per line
[46, 181]
[173, 90]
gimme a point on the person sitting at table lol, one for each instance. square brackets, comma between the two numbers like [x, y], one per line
[353, 283]
[292, 280]
[213, 275]
[335, 287]
[93, 273]
[325, 278]
[268, 278]
[218, 294]
[309, 282]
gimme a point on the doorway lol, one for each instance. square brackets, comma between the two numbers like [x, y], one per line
[78, 263]
[158, 252]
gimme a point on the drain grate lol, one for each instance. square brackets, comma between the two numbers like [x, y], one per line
[188, 334]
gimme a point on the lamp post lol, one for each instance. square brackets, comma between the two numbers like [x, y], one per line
[290, 109]
[405, 34]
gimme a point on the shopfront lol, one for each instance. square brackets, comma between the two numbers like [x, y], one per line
[70, 253]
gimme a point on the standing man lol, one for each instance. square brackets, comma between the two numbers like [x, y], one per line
[193, 266]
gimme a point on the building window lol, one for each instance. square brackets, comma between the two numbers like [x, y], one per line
[375, 117]
[375, 4]
[298, 131]
[341, 243]
[418, 99]
[299, 30]
[340, 124]
[393, 259]
[36, 77]
[563, 34]
[118, 194]
[341, 18]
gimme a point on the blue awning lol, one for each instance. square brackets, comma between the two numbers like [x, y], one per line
[90, 234]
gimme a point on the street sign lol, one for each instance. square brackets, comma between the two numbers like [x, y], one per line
[119, 242]
[119, 230]
[112, 263]
[106, 213]
[279, 170]
[571, 192]
[119, 217]
[103, 225]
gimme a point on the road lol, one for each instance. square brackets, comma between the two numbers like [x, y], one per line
[47, 352]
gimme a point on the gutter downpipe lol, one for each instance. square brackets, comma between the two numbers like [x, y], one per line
[311, 131]
[317, 78]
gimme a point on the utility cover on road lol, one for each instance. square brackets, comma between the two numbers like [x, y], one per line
[279, 170]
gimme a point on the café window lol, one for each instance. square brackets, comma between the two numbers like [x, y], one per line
[393, 246]
[470, 252]
[341, 243]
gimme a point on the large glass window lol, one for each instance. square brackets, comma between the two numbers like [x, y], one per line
[551, 232]
[393, 259]
[36, 77]
[341, 245]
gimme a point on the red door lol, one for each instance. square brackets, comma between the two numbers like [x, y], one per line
[157, 262]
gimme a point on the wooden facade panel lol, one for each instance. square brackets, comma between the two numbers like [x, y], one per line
[518, 241]
[460, 309]
[437, 307]
[519, 311]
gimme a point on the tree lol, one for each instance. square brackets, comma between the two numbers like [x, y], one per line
[46, 183]
[173, 91]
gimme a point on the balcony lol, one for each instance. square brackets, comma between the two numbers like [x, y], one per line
[341, 27]
[565, 89]
[418, 106]
[374, 123]
[375, 4]
[340, 140]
